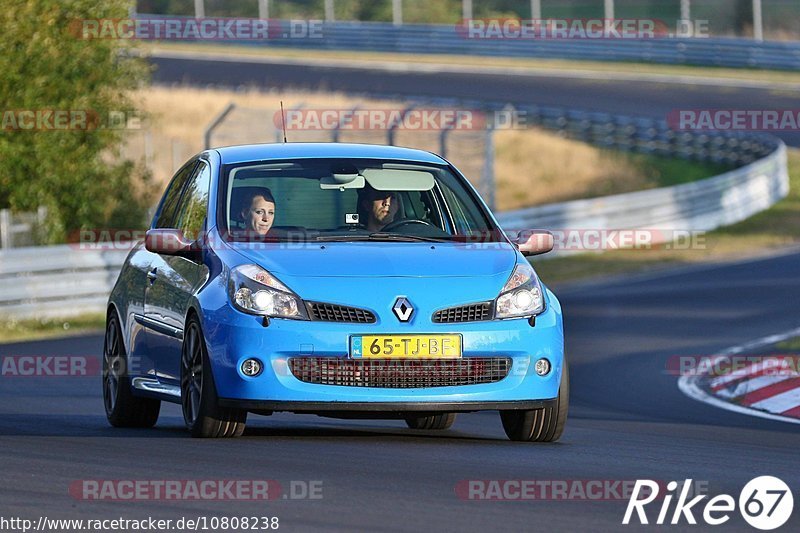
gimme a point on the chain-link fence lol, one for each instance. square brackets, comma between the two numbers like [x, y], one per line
[770, 19]
[471, 147]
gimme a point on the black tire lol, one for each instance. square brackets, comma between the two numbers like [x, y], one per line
[540, 425]
[440, 421]
[203, 416]
[123, 409]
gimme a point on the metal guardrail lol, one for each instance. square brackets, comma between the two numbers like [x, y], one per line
[445, 39]
[760, 180]
[449, 39]
[65, 280]
[698, 206]
[56, 281]
[643, 135]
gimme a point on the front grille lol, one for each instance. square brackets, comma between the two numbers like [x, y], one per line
[399, 373]
[464, 313]
[339, 313]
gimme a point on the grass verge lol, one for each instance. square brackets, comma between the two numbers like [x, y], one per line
[789, 345]
[532, 166]
[775, 228]
[35, 329]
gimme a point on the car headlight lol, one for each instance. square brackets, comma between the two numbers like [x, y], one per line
[254, 290]
[521, 296]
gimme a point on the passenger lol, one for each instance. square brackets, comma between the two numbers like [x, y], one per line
[376, 209]
[258, 211]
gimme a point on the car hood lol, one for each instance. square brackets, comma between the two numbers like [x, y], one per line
[381, 259]
[373, 275]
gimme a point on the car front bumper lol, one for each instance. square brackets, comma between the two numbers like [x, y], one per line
[400, 408]
[233, 337]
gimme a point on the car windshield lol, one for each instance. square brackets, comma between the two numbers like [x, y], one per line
[351, 200]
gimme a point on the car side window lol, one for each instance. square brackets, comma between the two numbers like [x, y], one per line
[168, 216]
[419, 206]
[194, 205]
[465, 215]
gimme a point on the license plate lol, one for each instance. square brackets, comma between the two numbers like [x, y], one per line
[409, 346]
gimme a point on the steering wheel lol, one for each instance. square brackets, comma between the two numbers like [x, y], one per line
[405, 222]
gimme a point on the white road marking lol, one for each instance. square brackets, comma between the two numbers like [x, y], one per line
[751, 385]
[689, 384]
[774, 366]
[779, 403]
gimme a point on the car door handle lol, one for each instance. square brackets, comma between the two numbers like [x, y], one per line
[152, 275]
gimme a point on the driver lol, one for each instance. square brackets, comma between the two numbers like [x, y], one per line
[376, 209]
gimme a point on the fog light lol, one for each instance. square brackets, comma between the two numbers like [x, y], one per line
[251, 367]
[542, 367]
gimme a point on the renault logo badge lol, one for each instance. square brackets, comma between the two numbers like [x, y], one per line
[403, 309]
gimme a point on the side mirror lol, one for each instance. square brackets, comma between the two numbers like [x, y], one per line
[535, 242]
[167, 242]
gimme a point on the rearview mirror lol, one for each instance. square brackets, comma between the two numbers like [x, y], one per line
[342, 181]
[535, 242]
[167, 242]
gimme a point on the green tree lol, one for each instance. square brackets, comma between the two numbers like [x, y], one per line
[46, 64]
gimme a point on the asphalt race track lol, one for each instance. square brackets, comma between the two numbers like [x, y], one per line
[638, 98]
[628, 420]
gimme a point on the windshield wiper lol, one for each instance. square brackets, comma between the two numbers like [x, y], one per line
[382, 236]
[378, 236]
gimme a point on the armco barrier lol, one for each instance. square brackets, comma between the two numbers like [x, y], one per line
[698, 206]
[444, 39]
[448, 39]
[64, 281]
[56, 281]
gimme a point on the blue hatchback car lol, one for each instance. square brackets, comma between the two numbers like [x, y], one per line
[343, 280]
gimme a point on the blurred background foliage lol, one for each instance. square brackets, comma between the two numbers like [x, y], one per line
[76, 174]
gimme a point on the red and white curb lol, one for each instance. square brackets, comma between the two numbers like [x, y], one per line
[763, 389]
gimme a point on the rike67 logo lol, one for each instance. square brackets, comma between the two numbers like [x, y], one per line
[765, 503]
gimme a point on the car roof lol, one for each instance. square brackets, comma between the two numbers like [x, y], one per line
[258, 152]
